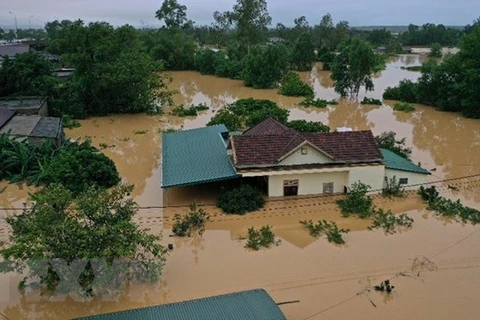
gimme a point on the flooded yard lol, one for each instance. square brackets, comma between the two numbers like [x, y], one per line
[434, 266]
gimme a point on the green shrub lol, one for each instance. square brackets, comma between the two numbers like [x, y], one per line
[393, 188]
[69, 122]
[330, 229]
[140, 132]
[403, 106]
[240, 200]
[192, 221]
[181, 111]
[261, 238]
[371, 101]
[308, 126]
[435, 50]
[293, 86]
[412, 68]
[405, 91]
[357, 202]
[317, 103]
[389, 222]
[387, 140]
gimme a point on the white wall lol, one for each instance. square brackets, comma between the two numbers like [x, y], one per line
[312, 156]
[370, 175]
[308, 183]
[413, 178]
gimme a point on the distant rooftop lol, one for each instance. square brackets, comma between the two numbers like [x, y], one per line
[395, 162]
[195, 156]
[10, 50]
[21, 102]
[30, 126]
[246, 305]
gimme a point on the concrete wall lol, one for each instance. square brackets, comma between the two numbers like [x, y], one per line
[308, 183]
[413, 178]
[370, 175]
[312, 156]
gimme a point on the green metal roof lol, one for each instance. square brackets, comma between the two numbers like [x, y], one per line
[247, 305]
[195, 156]
[395, 162]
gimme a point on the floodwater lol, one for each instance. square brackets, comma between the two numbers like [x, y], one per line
[434, 266]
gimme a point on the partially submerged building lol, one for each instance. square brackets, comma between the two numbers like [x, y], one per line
[33, 105]
[288, 162]
[246, 305]
[36, 129]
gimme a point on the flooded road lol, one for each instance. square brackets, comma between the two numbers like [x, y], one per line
[331, 282]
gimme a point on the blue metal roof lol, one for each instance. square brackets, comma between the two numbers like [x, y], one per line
[395, 162]
[247, 305]
[195, 156]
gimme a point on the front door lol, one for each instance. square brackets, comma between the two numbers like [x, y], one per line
[290, 187]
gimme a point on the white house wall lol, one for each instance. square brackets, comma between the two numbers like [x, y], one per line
[308, 183]
[370, 175]
[312, 156]
[413, 178]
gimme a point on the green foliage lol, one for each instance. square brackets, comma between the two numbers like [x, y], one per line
[261, 238]
[353, 67]
[393, 188]
[245, 113]
[403, 106]
[405, 91]
[175, 49]
[330, 229]
[357, 202]
[140, 132]
[371, 101]
[387, 140]
[302, 56]
[75, 165]
[173, 14]
[29, 74]
[293, 86]
[390, 222]
[326, 56]
[193, 221]
[308, 126]
[317, 103]
[87, 245]
[240, 200]
[69, 122]
[181, 111]
[430, 33]
[265, 66]
[448, 208]
[412, 68]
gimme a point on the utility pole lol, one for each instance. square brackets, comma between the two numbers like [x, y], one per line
[16, 27]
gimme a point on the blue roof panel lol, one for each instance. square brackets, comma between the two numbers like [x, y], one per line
[246, 305]
[195, 156]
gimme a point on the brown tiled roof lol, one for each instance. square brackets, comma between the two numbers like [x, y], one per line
[5, 116]
[258, 149]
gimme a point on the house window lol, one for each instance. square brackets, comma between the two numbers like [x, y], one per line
[328, 187]
[403, 181]
[304, 151]
[290, 187]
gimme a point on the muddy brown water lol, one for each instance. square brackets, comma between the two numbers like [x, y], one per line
[330, 281]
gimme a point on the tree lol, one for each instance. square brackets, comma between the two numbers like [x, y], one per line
[265, 66]
[172, 13]
[325, 32]
[308, 126]
[435, 50]
[303, 53]
[387, 140]
[81, 245]
[353, 67]
[293, 86]
[29, 74]
[250, 18]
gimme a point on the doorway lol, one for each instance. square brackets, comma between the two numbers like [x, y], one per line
[290, 188]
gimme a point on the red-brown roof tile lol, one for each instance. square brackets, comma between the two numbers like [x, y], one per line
[265, 145]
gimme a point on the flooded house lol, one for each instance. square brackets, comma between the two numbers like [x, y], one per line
[284, 161]
[32, 105]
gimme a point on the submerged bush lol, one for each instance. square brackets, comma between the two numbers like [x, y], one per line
[405, 91]
[371, 101]
[393, 188]
[261, 238]
[390, 222]
[293, 86]
[357, 202]
[181, 111]
[330, 229]
[403, 106]
[240, 200]
[193, 221]
[317, 103]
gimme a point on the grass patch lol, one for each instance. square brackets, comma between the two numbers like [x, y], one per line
[371, 101]
[260, 238]
[181, 111]
[194, 221]
[330, 229]
[317, 103]
[403, 106]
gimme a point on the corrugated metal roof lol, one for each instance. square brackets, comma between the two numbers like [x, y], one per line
[395, 162]
[247, 305]
[20, 125]
[5, 115]
[195, 156]
[47, 127]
